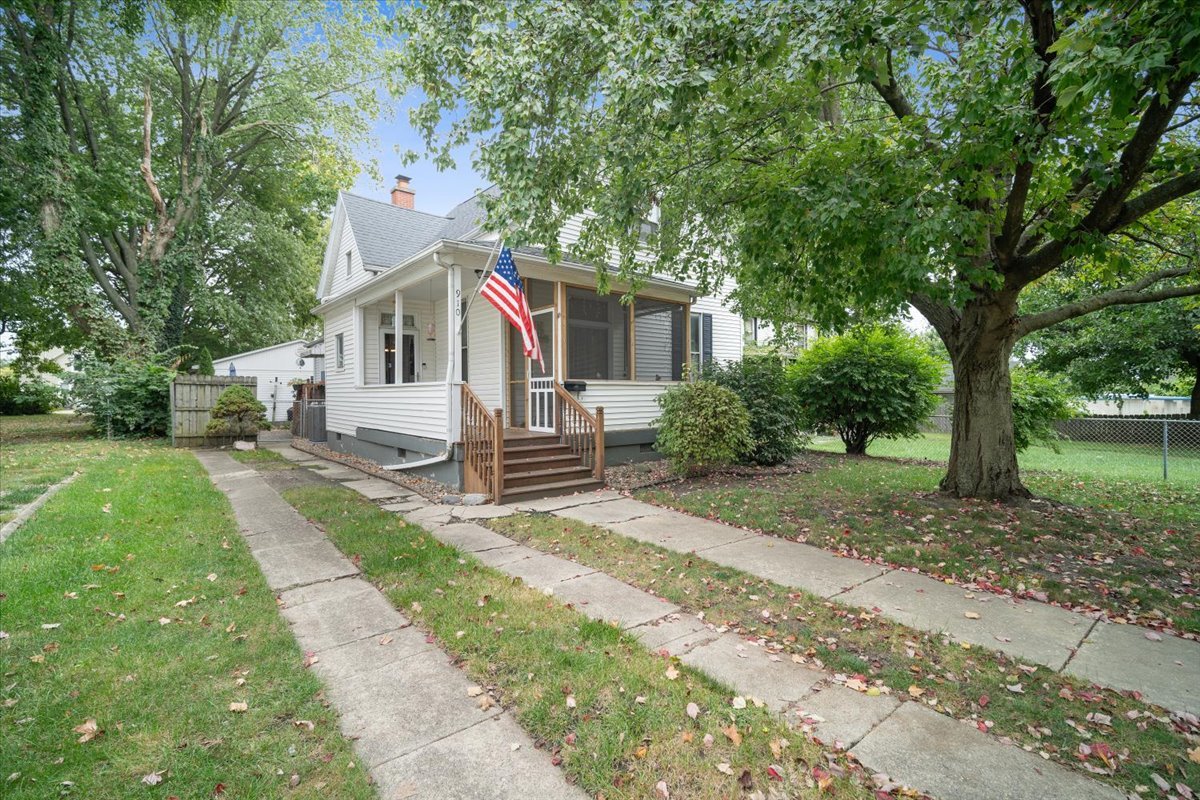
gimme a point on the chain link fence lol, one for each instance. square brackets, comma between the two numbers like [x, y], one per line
[1120, 448]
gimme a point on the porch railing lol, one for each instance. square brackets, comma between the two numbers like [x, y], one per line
[483, 446]
[581, 431]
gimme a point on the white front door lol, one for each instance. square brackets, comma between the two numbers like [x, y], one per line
[541, 383]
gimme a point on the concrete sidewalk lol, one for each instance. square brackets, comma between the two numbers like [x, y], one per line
[407, 709]
[1164, 668]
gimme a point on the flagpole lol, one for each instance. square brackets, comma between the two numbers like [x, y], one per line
[478, 283]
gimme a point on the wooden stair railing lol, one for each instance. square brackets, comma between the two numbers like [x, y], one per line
[579, 430]
[483, 446]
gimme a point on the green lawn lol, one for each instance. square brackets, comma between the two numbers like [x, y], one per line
[130, 600]
[968, 683]
[1127, 547]
[39, 451]
[629, 727]
[1085, 459]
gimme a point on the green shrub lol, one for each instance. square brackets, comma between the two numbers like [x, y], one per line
[703, 426]
[761, 383]
[28, 396]
[129, 398]
[237, 413]
[1039, 400]
[204, 362]
[871, 383]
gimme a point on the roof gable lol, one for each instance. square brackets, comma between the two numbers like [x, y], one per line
[386, 234]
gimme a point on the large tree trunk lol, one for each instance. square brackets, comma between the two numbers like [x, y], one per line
[983, 453]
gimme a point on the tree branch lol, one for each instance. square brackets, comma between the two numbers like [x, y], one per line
[98, 272]
[160, 206]
[1132, 294]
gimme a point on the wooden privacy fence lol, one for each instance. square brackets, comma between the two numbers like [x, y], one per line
[192, 401]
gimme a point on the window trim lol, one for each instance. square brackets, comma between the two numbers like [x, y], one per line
[339, 350]
[349, 261]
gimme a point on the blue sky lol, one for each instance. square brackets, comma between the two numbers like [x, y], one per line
[436, 192]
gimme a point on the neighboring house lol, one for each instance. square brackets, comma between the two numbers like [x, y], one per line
[314, 354]
[393, 290]
[762, 337]
[66, 363]
[275, 367]
[1128, 405]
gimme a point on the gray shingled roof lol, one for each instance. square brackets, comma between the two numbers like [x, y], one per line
[387, 234]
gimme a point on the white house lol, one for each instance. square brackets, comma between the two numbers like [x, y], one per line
[275, 367]
[413, 383]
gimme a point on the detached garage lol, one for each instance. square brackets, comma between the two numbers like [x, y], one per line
[275, 367]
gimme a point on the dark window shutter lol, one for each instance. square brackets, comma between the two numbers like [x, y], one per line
[706, 335]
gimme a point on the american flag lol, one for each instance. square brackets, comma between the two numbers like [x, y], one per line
[505, 291]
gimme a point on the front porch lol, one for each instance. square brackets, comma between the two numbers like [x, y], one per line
[421, 368]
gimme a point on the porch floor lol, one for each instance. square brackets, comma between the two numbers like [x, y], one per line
[521, 433]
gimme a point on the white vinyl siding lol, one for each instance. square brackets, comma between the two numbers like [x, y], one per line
[628, 405]
[726, 325]
[485, 362]
[340, 282]
[275, 368]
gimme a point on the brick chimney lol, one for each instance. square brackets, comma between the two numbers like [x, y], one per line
[402, 195]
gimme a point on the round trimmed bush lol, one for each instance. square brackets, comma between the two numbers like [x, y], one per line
[703, 426]
[237, 413]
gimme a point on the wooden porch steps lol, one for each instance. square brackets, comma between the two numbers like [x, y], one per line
[515, 464]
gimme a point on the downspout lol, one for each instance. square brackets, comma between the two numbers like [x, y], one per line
[450, 357]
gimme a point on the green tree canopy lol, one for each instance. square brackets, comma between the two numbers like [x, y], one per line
[167, 164]
[840, 159]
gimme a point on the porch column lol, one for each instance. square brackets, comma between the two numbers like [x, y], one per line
[456, 323]
[398, 328]
[360, 344]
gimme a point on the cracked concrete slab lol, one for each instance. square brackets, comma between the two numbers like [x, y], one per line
[1033, 631]
[793, 564]
[841, 715]
[676, 531]
[324, 615]
[605, 598]
[750, 670]
[621, 509]
[547, 504]
[307, 562]
[1166, 670]
[676, 634]
[499, 556]
[482, 512]
[469, 537]
[372, 653]
[490, 760]
[946, 758]
[302, 533]
[406, 505]
[429, 515]
[541, 571]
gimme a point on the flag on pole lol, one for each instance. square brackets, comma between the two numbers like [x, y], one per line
[505, 291]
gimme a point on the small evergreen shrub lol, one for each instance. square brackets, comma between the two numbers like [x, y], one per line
[204, 362]
[703, 426]
[28, 396]
[775, 421]
[129, 398]
[871, 383]
[1039, 400]
[237, 413]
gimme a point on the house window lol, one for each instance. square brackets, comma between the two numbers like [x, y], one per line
[347, 263]
[701, 341]
[597, 336]
[658, 340]
[339, 349]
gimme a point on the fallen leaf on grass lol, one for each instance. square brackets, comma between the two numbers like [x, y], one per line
[739, 702]
[775, 772]
[672, 673]
[570, 701]
[153, 779]
[49, 626]
[212, 576]
[777, 747]
[310, 658]
[304, 723]
[1194, 754]
[693, 710]
[984, 700]
[661, 791]
[238, 708]
[1015, 688]
[915, 691]
[724, 768]
[185, 603]
[89, 730]
[732, 734]
[164, 620]
[485, 702]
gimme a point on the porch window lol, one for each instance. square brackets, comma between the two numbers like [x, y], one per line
[597, 336]
[658, 340]
[701, 341]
